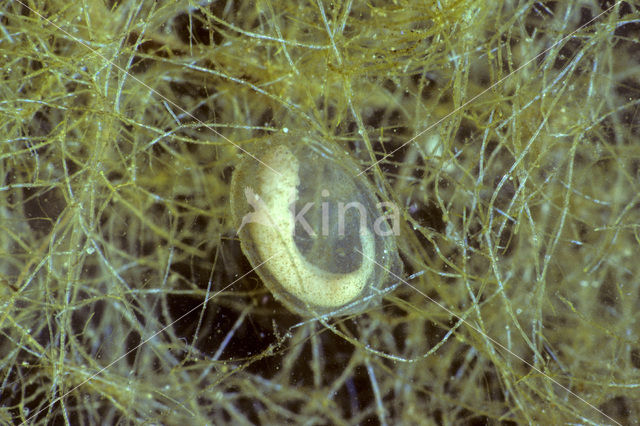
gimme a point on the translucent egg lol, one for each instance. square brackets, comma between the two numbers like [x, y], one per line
[313, 229]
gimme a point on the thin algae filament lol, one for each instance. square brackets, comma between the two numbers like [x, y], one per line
[317, 226]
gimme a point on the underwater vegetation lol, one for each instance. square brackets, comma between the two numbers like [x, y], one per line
[493, 149]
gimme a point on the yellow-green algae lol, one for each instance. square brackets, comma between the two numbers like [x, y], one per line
[122, 121]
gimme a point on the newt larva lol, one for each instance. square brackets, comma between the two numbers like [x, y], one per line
[318, 225]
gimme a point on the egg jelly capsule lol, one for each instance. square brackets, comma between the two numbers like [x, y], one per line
[316, 225]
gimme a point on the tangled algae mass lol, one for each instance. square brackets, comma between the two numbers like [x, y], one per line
[499, 142]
